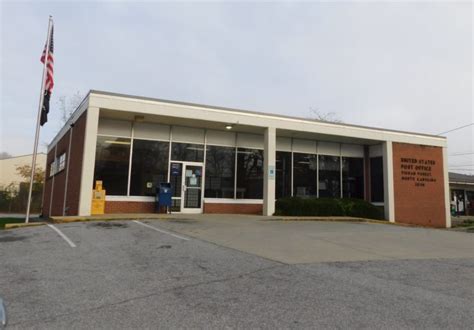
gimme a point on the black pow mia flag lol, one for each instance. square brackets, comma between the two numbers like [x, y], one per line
[45, 108]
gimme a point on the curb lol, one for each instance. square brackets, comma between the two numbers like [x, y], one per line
[348, 219]
[106, 218]
[23, 225]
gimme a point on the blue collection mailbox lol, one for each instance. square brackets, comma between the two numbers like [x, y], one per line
[164, 195]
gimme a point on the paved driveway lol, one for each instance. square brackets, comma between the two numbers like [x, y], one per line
[177, 274]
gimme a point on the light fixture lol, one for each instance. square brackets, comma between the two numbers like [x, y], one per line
[228, 126]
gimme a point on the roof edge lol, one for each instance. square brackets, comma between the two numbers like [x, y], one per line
[106, 93]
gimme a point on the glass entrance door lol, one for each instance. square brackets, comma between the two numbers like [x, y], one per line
[192, 188]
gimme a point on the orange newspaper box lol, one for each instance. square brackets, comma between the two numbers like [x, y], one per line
[98, 199]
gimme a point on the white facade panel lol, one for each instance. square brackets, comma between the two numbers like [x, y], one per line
[375, 150]
[304, 146]
[151, 131]
[221, 138]
[115, 127]
[187, 134]
[352, 150]
[249, 141]
[329, 148]
[283, 144]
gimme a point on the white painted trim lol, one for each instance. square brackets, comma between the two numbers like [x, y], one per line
[269, 160]
[147, 139]
[231, 116]
[446, 188]
[235, 167]
[389, 194]
[203, 175]
[169, 153]
[341, 193]
[66, 181]
[141, 105]
[88, 161]
[114, 198]
[184, 209]
[317, 176]
[115, 136]
[292, 168]
[232, 201]
[52, 180]
[130, 159]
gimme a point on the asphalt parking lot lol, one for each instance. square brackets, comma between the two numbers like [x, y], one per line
[219, 271]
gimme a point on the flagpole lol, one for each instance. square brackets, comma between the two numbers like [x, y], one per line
[38, 119]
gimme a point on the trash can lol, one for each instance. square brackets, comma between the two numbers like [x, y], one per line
[163, 197]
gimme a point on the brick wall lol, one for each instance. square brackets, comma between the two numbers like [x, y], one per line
[48, 184]
[129, 207]
[149, 207]
[75, 165]
[233, 208]
[60, 178]
[419, 185]
[55, 187]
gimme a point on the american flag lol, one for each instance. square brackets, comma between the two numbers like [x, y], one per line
[49, 82]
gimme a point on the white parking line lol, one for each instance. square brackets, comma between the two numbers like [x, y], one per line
[60, 233]
[160, 230]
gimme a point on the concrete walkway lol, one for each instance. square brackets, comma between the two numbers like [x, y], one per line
[294, 242]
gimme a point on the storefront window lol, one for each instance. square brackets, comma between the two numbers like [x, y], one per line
[353, 177]
[220, 168]
[376, 180]
[149, 166]
[111, 164]
[249, 173]
[283, 174]
[187, 152]
[304, 175]
[329, 176]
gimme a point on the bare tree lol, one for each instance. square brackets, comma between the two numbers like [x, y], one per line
[68, 104]
[5, 155]
[330, 117]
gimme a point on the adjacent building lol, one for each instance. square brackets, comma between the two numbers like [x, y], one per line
[222, 160]
[462, 194]
[8, 169]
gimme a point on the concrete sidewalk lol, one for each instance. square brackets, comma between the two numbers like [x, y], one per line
[295, 242]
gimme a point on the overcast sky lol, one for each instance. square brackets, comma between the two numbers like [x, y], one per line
[401, 65]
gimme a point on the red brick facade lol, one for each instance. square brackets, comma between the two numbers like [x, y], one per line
[129, 207]
[149, 207]
[75, 166]
[419, 185]
[233, 208]
[55, 186]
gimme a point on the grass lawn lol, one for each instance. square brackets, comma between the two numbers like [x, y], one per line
[3, 221]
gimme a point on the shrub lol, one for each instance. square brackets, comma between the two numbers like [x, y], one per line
[297, 206]
[361, 209]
